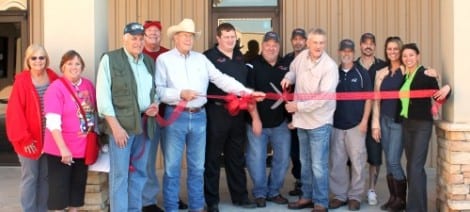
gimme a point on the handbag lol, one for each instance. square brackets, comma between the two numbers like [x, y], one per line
[91, 148]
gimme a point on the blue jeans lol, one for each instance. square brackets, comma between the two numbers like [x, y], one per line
[256, 151]
[125, 186]
[151, 187]
[392, 144]
[188, 130]
[314, 156]
[33, 187]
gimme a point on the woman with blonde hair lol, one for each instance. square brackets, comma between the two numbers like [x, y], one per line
[25, 125]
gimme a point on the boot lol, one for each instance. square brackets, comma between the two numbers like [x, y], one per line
[392, 192]
[400, 201]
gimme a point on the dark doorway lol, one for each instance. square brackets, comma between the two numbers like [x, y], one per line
[13, 41]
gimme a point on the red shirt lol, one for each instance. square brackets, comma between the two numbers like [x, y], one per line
[24, 116]
[154, 55]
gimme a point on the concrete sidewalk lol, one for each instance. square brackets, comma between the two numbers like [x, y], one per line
[10, 178]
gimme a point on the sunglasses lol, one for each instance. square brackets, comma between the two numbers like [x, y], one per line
[40, 58]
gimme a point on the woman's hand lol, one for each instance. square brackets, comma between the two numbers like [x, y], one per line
[30, 149]
[257, 127]
[66, 156]
[442, 93]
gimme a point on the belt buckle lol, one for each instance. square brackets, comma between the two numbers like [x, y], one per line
[193, 109]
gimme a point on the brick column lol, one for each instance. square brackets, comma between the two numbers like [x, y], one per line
[97, 193]
[453, 166]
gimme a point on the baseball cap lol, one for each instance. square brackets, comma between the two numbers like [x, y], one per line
[367, 36]
[150, 23]
[299, 32]
[271, 36]
[134, 28]
[346, 44]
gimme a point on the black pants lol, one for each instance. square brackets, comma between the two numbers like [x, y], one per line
[416, 134]
[225, 134]
[295, 154]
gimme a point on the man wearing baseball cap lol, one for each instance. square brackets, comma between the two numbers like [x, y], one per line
[299, 43]
[350, 122]
[268, 68]
[125, 92]
[371, 64]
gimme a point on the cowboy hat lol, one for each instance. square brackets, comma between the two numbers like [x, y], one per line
[186, 25]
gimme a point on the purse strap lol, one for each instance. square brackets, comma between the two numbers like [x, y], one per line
[76, 100]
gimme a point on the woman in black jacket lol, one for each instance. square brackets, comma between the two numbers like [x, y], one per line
[417, 125]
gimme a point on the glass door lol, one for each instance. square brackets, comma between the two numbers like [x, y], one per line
[251, 18]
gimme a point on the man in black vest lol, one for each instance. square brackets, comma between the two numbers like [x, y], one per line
[125, 93]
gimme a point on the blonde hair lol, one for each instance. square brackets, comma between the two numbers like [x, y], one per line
[33, 48]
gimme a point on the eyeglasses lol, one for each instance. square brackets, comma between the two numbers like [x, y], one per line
[40, 58]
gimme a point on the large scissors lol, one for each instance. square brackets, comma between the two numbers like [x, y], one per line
[282, 97]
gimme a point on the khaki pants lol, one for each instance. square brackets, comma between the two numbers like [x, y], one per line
[347, 144]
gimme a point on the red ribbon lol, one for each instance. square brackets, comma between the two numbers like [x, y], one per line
[234, 103]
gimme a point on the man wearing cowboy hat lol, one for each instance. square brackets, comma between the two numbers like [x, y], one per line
[152, 48]
[184, 75]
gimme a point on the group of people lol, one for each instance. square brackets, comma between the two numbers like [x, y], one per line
[328, 141]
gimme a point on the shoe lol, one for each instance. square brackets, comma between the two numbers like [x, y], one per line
[371, 197]
[354, 205]
[336, 203]
[297, 191]
[279, 199]
[182, 205]
[319, 208]
[260, 202]
[213, 208]
[151, 208]
[300, 204]
[247, 204]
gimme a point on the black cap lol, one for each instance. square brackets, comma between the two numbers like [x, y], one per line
[367, 36]
[346, 44]
[134, 28]
[299, 32]
[271, 36]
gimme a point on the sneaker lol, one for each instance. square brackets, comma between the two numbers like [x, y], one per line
[372, 197]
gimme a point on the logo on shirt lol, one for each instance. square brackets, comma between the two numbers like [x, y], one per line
[354, 80]
[221, 59]
[283, 68]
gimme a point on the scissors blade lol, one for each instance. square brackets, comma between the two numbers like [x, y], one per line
[275, 89]
[277, 103]
[281, 97]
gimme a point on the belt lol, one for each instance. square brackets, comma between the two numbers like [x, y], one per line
[191, 109]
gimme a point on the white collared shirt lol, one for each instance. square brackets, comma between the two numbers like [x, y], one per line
[176, 72]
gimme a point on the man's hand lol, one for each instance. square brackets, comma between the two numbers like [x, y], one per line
[291, 107]
[363, 127]
[120, 136]
[285, 83]
[257, 127]
[290, 126]
[152, 110]
[188, 95]
[258, 95]
[376, 135]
